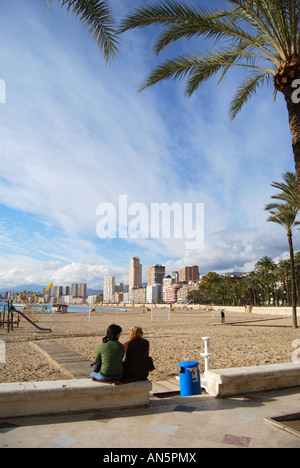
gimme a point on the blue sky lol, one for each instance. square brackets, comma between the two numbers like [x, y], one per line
[75, 133]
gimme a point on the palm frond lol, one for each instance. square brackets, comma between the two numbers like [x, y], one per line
[286, 211]
[97, 17]
[246, 91]
[273, 18]
[284, 214]
[176, 68]
[200, 68]
[288, 189]
[158, 14]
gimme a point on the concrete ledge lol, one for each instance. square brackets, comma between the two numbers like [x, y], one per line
[240, 380]
[62, 396]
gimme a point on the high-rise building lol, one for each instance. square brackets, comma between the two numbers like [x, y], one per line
[167, 281]
[135, 273]
[82, 290]
[156, 274]
[109, 288]
[74, 290]
[57, 292]
[175, 276]
[187, 274]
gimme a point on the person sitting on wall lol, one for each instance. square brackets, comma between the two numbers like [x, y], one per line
[136, 363]
[109, 357]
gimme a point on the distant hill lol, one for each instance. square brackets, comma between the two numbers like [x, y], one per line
[39, 289]
[28, 287]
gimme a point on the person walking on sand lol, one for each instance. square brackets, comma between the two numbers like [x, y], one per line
[222, 316]
[110, 355]
[136, 363]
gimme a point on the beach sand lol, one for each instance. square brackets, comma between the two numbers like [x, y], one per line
[172, 339]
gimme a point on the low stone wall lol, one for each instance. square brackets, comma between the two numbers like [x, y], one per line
[241, 380]
[280, 311]
[63, 396]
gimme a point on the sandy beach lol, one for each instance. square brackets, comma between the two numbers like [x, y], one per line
[173, 338]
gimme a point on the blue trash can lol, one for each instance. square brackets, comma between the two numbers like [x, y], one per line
[189, 377]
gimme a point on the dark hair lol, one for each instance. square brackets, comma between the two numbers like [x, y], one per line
[112, 332]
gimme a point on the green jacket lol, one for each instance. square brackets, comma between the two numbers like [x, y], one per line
[111, 354]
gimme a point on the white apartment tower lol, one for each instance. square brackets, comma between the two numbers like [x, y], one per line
[109, 288]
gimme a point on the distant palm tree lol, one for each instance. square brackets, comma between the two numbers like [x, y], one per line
[266, 265]
[261, 36]
[285, 214]
[96, 15]
[253, 285]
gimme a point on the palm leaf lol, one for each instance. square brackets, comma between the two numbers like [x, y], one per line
[288, 189]
[285, 213]
[97, 17]
[246, 91]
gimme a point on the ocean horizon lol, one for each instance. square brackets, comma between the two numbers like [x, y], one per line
[71, 307]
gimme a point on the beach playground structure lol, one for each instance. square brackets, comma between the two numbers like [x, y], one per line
[30, 305]
[12, 316]
[7, 320]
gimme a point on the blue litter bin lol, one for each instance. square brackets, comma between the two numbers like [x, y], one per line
[189, 376]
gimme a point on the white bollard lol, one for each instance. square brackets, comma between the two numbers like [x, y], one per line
[207, 355]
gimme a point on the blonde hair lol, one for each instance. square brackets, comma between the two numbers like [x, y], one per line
[134, 331]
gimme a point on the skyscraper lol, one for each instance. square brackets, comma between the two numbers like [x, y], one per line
[189, 274]
[156, 274]
[74, 290]
[57, 292]
[82, 290]
[135, 273]
[109, 288]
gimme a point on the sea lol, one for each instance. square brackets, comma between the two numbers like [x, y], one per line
[71, 308]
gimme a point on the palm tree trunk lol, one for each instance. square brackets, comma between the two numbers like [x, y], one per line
[294, 297]
[294, 119]
[287, 290]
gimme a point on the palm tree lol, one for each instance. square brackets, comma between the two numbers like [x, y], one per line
[285, 215]
[96, 15]
[253, 283]
[261, 36]
[265, 266]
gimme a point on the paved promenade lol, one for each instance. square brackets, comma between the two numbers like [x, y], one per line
[169, 423]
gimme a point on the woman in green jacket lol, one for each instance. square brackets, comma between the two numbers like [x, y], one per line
[110, 353]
